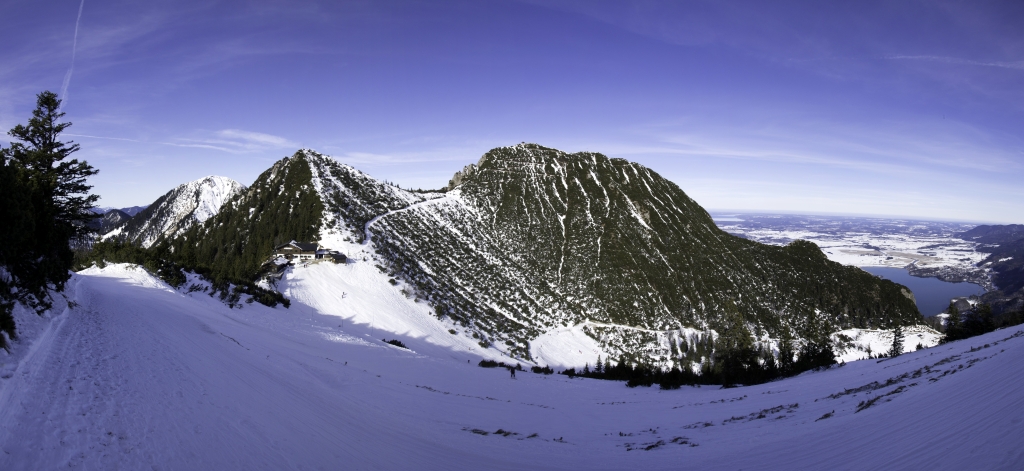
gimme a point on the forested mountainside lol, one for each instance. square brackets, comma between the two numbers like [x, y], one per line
[281, 205]
[176, 211]
[293, 200]
[1005, 243]
[994, 234]
[531, 239]
[111, 220]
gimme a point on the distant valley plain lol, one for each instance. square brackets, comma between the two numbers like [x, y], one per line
[926, 256]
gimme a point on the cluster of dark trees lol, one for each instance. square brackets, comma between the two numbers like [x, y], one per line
[395, 342]
[976, 321]
[744, 365]
[736, 360]
[499, 364]
[163, 263]
[45, 211]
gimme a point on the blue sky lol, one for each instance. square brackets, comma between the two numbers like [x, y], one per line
[883, 108]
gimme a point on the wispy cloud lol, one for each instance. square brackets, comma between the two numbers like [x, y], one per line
[103, 137]
[909, 148]
[233, 141]
[236, 141]
[695, 146]
[1018, 65]
[368, 158]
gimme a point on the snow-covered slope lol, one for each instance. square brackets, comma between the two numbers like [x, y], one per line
[137, 375]
[359, 294]
[176, 211]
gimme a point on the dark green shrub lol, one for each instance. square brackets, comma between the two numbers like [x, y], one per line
[397, 343]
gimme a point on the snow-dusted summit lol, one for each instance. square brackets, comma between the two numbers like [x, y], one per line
[176, 211]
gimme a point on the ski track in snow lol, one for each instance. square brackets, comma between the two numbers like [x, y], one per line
[139, 376]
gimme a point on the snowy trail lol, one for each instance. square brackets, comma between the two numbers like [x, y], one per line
[133, 368]
[368, 234]
[141, 377]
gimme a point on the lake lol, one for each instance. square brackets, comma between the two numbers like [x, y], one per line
[932, 294]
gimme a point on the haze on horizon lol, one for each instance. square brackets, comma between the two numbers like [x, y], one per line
[910, 109]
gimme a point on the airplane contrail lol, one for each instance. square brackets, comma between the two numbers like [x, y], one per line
[74, 49]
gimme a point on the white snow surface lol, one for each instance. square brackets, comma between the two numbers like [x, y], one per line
[867, 342]
[359, 295]
[566, 347]
[137, 375]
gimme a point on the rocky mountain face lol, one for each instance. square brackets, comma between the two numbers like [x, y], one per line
[133, 210]
[1005, 243]
[112, 220]
[532, 239]
[130, 211]
[177, 211]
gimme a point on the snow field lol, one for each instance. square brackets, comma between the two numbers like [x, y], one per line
[138, 376]
[358, 297]
[880, 341]
[566, 347]
[896, 250]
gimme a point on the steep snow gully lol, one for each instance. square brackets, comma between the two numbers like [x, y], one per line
[139, 376]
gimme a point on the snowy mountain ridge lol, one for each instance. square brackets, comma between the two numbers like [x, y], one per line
[531, 248]
[111, 220]
[177, 210]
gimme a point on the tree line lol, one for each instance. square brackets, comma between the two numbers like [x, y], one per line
[172, 269]
[976, 321]
[730, 365]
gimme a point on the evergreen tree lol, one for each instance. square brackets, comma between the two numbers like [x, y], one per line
[15, 238]
[735, 355]
[978, 321]
[786, 353]
[897, 342]
[61, 195]
[953, 327]
[816, 352]
[47, 199]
